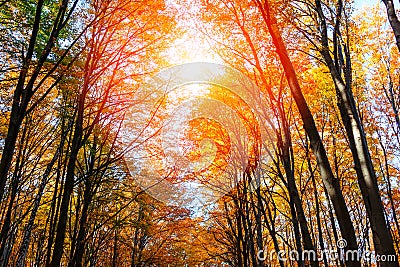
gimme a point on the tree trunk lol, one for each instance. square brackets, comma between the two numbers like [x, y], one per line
[69, 181]
[317, 207]
[287, 158]
[80, 241]
[21, 98]
[367, 179]
[23, 249]
[330, 182]
[24, 89]
[393, 20]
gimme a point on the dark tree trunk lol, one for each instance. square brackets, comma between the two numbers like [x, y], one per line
[287, 158]
[21, 98]
[23, 249]
[317, 207]
[330, 182]
[367, 179]
[24, 89]
[68, 185]
[393, 20]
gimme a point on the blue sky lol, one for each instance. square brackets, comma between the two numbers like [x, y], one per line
[360, 3]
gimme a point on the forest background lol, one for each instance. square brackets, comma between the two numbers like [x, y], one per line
[320, 169]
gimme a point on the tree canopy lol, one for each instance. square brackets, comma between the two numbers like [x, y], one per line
[199, 133]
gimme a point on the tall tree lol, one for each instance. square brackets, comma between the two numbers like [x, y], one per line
[341, 71]
[393, 19]
[30, 76]
[330, 181]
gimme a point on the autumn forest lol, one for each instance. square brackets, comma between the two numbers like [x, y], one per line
[242, 133]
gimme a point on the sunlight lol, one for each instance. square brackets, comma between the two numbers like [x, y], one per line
[189, 91]
[184, 93]
[191, 48]
[192, 45]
